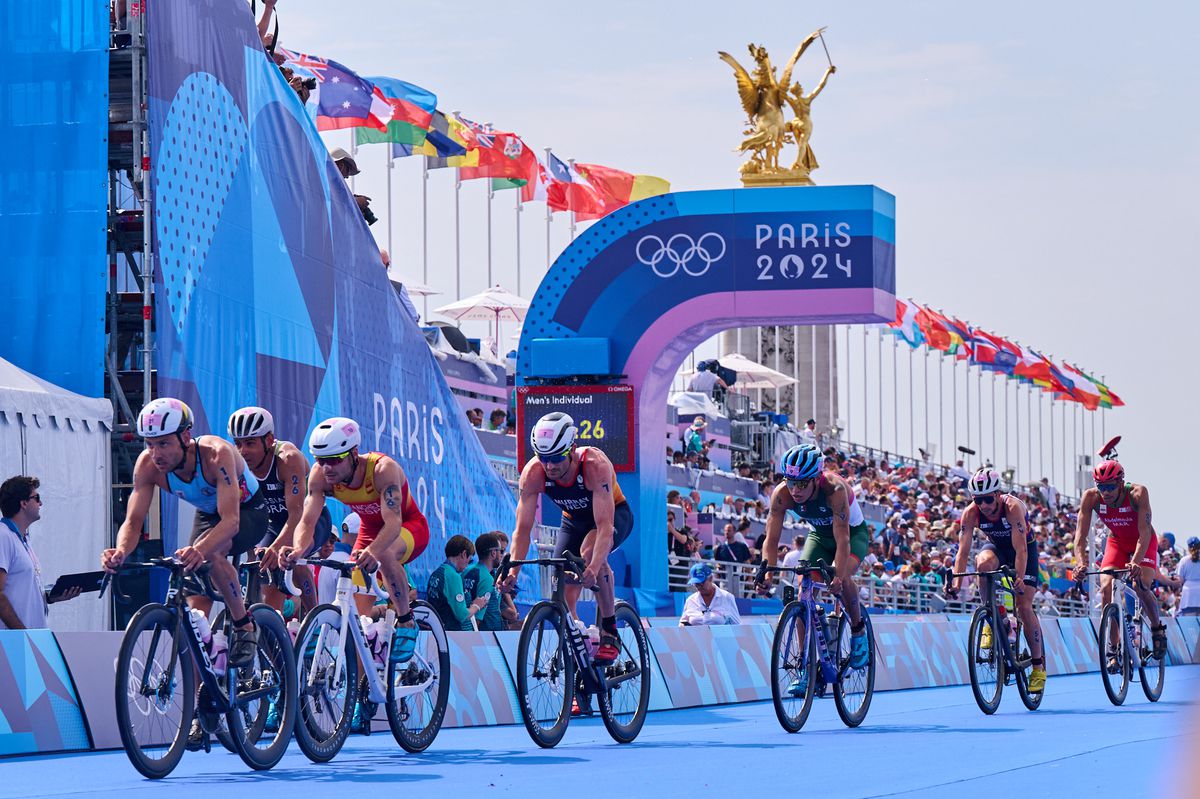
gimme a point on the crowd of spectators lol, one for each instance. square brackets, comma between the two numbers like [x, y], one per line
[915, 545]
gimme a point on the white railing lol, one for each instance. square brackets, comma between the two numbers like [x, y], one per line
[901, 597]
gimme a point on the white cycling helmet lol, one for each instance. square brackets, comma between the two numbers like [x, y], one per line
[334, 436]
[984, 481]
[553, 434]
[251, 422]
[164, 416]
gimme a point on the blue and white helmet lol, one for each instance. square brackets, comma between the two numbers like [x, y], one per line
[801, 462]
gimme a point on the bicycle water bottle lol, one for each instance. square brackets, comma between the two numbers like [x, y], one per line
[220, 652]
[201, 623]
[293, 628]
[592, 636]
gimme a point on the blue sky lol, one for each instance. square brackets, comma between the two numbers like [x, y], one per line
[1043, 156]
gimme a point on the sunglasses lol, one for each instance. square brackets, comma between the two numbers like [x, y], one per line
[35, 498]
[986, 499]
[553, 458]
[332, 460]
[1107, 488]
[800, 483]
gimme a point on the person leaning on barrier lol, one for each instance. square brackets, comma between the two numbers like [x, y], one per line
[710, 604]
[508, 606]
[478, 582]
[445, 590]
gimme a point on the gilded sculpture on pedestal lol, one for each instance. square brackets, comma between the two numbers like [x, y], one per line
[765, 101]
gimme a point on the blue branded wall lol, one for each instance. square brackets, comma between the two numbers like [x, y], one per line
[270, 287]
[53, 195]
[43, 703]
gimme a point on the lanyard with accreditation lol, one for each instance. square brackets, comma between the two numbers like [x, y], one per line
[37, 567]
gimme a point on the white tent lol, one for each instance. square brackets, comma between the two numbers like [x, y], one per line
[63, 439]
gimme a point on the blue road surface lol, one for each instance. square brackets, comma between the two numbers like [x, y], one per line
[913, 743]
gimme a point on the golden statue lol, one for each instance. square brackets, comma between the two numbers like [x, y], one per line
[764, 99]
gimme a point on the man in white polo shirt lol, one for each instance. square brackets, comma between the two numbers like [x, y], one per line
[710, 603]
[23, 600]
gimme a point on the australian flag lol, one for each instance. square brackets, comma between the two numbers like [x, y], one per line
[342, 99]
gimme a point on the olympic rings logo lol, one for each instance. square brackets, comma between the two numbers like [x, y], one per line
[679, 252]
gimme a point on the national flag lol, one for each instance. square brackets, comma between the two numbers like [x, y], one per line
[567, 190]
[933, 327]
[447, 144]
[342, 99]
[905, 324]
[412, 113]
[500, 184]
[1085, 390]
[619, 188]
[500, 155]
[1107, 398]
[535, 187]
[993, 352]
[960, 333]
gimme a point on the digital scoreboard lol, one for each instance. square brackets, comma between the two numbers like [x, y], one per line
[603, 415]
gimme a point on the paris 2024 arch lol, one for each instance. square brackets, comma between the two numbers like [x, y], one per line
[627, 301]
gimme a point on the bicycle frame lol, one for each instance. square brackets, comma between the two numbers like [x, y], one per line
[1128, 597]
[377, 689]
[993, 586]
[830, 671]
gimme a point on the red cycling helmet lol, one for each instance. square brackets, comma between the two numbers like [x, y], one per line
[1109, 472]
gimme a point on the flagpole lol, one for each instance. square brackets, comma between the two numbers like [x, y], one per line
[832, 331]
[495, 333]
[425, 231]
[912, 421]
[547, 149]
[941, 411]
[518, 220]
[967, 400]
[849, 410]
[1016, 424]
[1042, 438]
[925, 394]
[778, 406]
[1104, 415]
[457, 235]
[354, 156]
[995, 455]
[879, 353]
[812, 333]
[1053, 476]
[1007, 437]
[796, 370]
[895, 395]
[390, 166]
[954, 397]
[866, 428]
[978, 406]
[1029, 427]
[571, 163]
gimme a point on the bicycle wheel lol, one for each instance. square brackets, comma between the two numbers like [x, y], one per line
[854, 687]
[264, 712]
[327, 696]
[793, 668]
[986, 665]
[1116, 683]
[1024, 662]
[155, 691]
[419, 690]
[545, 674]
[624, 704]
[1152, 671]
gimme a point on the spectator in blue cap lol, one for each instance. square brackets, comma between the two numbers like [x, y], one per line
[1189, 575]
[709, 604]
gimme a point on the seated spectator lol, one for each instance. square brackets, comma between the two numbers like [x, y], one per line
[498, 421]
[475, 417]
[710, 604]
[478, 582]
[445, 591]
[508, 607]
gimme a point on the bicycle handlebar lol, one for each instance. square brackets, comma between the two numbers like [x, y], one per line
[345, 567]
[568, 562]
[172, 564]
[800, 568]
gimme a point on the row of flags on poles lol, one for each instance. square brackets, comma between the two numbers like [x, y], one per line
[918, 325]
[405, 116]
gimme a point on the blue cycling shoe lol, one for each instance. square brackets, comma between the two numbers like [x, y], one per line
[860, 651]
[404, 644]
[799, 686]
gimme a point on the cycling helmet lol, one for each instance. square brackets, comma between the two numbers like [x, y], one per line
[334, 436]
[251, 422]
[1109, 472]
[801, 462]
[553, 434]
[984, 481]
[164, 416]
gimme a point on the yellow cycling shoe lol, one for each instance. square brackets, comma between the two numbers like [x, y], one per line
[1037, 680]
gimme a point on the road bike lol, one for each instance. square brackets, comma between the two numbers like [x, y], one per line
[555, 664]
[1125, 639]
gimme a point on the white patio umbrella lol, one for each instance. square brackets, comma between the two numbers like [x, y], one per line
[754, 375]
[493, 305]
[415, 289]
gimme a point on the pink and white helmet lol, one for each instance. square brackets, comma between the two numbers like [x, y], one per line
[334, 436]
[984, 481]
[164, 416]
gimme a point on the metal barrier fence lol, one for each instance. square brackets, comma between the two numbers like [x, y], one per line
[900, 597]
